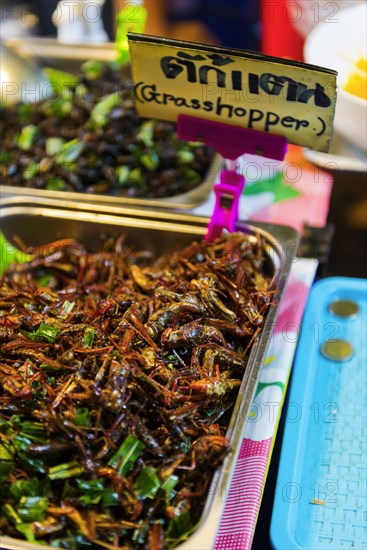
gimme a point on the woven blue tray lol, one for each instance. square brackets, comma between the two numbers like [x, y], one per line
[320, 499]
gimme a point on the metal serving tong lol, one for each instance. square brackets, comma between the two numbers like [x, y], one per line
[230, 142]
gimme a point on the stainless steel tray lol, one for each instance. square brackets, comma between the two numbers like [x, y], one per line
[45, 49]
[184, 201]
[40, 221]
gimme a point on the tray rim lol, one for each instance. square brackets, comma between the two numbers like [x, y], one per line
[280, 236]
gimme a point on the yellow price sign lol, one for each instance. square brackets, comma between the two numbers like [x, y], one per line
[250, 90]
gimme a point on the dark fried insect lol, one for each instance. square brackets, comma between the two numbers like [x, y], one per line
[116, 384]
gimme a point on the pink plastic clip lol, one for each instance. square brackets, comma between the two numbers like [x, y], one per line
[230, 142]
[225, 214]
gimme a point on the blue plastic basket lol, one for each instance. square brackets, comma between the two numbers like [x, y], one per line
[320, 499]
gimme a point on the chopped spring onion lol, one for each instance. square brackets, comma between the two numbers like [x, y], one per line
[189, 175]
[126, 455]
[44, 332]
[101, 111]
[54, 145]
[64, 471]
[82, 417]
[169, 484]
[150, 160]
[26, 530]
[180, 527]
[147, 483]
[92, 69]
[135, 176]
[60, 107]
[32, 508]
[11, 514]
[70, 152]
[185, 157]
[35, 431]
[6, 467]
[55, 184]
[88, 337]
[67, 308]
[60, 79]
[145, 134]
[27, 136]
[29, 488]
[122, 175]
[30, 171]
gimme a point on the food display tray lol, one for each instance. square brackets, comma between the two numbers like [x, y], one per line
[320, 500]
[38, 221]
[182, 201]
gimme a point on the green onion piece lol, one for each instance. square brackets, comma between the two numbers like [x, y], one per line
[25, 112]
[69, 490]
[44, 281]
[26, 530]
[60, 79]
[10, 254]
[110, 498]
[150, 161]
[59, 107]
[35, 431]
[54, 145]
[88, 337]
[5, 451]
[67, 308]
[189, 175]
[11, 514]
[169, 484]
[29, 488]
[81, 91]
[122, 175]
[5, 157]
[30, 171]
[146, 132]
[82, 417]
[90, 485]
[70, 152]
[44, 332]
[27, 136]
[93, 491]
[147, 483]
[101, 111]
[65, 471]
[126, 455]
[6, 467]
[21, 444]
[179, 527]
[185, 157]
[55, 184]
[135, 176]
[92, 69]
[32, 508]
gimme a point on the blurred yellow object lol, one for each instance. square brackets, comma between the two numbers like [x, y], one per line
[362, 64]
[357, 81]
[357, 85]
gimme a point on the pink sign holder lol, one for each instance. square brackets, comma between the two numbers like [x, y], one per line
[230, 142]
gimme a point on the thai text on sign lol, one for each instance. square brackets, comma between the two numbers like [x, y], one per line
[245, 89]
